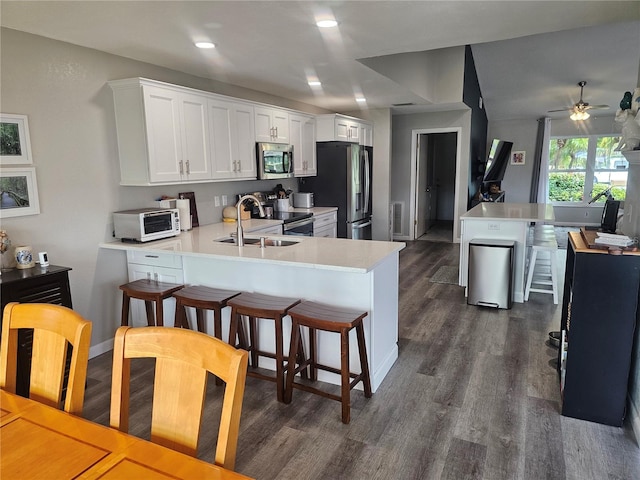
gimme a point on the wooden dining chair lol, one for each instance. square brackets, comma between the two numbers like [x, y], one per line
[183, 358]
[54, 328]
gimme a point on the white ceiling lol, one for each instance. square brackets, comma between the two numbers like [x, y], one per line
[529, 55]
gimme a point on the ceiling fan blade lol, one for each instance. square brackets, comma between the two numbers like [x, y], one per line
[596, 106]
[561, 110]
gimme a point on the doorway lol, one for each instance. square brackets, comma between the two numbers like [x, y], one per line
[435, 153]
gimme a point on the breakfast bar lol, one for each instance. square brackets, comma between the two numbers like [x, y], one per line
[346, 273]
[501, 221]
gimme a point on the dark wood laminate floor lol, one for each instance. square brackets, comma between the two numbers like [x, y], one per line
[473, 395]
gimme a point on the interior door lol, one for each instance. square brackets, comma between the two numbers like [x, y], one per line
[422, 189]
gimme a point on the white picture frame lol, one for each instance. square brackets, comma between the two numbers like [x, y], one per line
[517, 158]
[15, 143]
[18, 192]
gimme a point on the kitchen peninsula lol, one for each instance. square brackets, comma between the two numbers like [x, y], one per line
[501, 221]
[342, 272]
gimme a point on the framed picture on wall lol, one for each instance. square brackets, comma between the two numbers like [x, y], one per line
[18, 192]
[517, 158]
[15, 144]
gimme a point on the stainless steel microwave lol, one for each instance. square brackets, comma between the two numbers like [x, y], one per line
[275, 160]
[146, 224]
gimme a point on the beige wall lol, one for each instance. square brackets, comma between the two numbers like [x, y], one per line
[62, 89]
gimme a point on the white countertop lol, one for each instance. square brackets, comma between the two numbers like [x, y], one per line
[528, 212]
[341, 254]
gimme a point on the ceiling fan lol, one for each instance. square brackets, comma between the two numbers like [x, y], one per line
[579, 109]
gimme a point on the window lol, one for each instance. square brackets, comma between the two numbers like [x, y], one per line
[582, 167]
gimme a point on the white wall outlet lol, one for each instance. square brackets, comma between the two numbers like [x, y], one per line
[224, 200]
[216, 201]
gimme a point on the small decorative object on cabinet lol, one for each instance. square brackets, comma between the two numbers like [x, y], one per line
[599, 315]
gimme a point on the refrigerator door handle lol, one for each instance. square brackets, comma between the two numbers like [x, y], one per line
[367, 181]
[361, 225]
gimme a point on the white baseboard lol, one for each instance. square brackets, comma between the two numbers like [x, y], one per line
[101, 348]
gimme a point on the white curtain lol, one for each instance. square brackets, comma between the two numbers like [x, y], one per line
[540, 174]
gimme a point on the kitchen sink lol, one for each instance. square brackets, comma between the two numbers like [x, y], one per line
[269, 242]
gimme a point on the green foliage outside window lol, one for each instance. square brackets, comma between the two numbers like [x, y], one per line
[569, 187]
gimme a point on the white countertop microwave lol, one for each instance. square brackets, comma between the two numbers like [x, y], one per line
[146, 224]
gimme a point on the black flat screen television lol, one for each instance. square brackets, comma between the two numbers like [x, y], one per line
[497, 162]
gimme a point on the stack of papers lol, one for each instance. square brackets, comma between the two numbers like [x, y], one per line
[613, 239]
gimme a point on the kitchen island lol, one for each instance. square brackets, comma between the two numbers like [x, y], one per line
[501, 221]
[342, 272]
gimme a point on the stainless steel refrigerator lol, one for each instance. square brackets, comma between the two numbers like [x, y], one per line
[344, 181]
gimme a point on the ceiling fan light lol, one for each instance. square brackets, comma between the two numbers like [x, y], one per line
[576, 116]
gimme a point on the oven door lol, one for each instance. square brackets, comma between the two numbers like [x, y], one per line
[301, 228]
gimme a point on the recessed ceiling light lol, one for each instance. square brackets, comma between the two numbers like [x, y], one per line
[314, 83]
[361, 99]
[326, 23]
[205, 45]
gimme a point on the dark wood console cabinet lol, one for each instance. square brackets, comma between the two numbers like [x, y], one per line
[33, 285]
[599, 314]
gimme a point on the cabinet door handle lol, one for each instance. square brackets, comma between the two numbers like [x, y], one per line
[155, 276]
[188, 171]
[239, 165]
[181, 169]
[151, 256]
[148, 275]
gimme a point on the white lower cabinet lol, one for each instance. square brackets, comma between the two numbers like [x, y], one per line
[326, 225]
[159, 267]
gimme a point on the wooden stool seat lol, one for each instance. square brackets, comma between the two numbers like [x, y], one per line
[328, 318]
[256, 305]
[149, 291]
[202, 298]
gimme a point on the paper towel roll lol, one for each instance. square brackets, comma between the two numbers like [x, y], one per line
[184, 210]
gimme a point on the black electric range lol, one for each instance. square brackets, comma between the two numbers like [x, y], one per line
[288, 217]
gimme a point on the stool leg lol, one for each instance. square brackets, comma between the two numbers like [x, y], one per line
[217, 330]
[200, 319]
[149, 309]
[233, 328]
[532, 266]
[217, 323]
[159, 312]
[293, 345]
[313, 371]
[346, 378]
[364, 363]
[125, 309]
[280, 360]
[180, 319]
[300, 358]
[554, 275]
[252, 338]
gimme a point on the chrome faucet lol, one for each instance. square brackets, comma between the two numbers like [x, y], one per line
[239, 232]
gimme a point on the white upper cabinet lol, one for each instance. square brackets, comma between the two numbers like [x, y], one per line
[272, 125]
[302, 132]
[366, 134]
[232, 134]
[335, 127]
[163, 134]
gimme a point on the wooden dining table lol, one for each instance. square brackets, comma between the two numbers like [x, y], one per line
[41, 442]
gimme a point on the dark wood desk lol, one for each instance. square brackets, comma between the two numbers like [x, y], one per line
[33, 285]
[38, 441]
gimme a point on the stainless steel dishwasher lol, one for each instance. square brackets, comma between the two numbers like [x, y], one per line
[490, 276]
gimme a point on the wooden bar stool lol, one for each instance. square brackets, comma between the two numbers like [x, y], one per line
[256, 305]
[202, 298]
[328, 318]
[149, 291]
